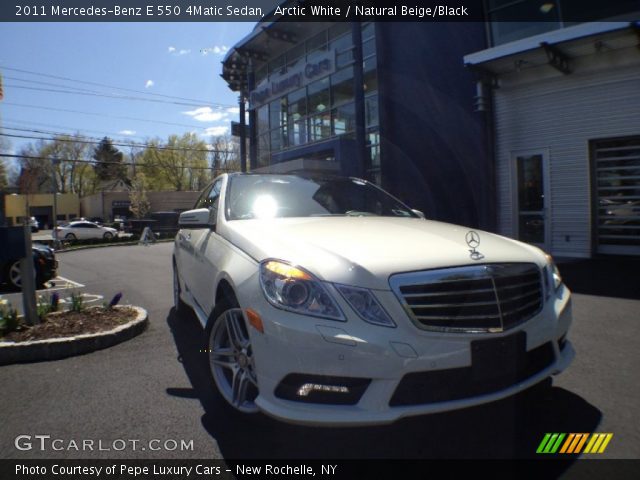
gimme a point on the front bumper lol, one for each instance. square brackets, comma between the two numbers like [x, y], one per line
[294, 344]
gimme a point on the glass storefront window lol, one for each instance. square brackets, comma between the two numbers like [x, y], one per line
[298, 132]
[317, 43]
[342, 87]
[295, 55]
[297, 104]
[371, 111]
[345, 58]
[263, 150]
[368, 31]
[338, 29]
[319, 100]
[370, 75]
[278, 113]
[344, 119]
[263, 119]
[369, 48]
[320, 126]
[374, 156]
[277, 64]
[342, 43]
[277, 139]
[261, 75]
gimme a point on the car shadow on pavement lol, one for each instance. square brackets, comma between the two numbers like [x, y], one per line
[602, 276]
[510, 428]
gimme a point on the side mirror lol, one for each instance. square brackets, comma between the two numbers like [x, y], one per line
[198, 218]
[420, 213]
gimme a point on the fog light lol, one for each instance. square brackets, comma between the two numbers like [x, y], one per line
[305, 389]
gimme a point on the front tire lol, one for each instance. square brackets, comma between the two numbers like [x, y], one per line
[107, 235]
[70, 237]
[231, 360]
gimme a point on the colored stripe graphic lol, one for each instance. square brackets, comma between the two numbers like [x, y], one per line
[553, 443]
[543, 443]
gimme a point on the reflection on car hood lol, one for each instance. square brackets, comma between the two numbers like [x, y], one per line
[365, 251]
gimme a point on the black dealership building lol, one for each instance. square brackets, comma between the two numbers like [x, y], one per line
[390, 102]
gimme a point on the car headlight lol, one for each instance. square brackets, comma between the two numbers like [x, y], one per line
[294, 289]
[366, 305]
[553, 273]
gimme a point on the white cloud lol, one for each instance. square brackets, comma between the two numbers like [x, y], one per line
[206, 114]
[234, 110]
[175, 52]
[216, 50]
[127, 132]
[216, 131]
[149, 84]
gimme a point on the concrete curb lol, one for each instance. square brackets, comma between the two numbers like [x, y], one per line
[57, 348]
[120, 244]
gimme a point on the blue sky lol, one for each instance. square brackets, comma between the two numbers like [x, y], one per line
[175, 59]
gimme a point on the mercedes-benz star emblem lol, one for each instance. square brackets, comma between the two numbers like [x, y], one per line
[473, 240]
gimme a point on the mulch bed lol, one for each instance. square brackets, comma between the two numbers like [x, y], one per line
[69, 324]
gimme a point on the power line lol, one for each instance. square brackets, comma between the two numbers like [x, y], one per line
[29, 122]
[90, 142]
[102, 115]
[139, 165]
[112, 86]
[104, 95]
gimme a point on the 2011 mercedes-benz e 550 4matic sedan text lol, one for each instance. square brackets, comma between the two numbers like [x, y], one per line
[326, 300]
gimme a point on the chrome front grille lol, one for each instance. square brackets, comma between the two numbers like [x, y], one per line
[478, 298]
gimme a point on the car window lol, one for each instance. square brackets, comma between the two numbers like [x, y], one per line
[213, 198]
[202, 199]
[266, 196]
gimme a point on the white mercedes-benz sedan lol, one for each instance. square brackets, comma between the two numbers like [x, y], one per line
[325, 300]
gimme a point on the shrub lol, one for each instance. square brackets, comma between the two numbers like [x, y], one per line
[8, 317]
[77, 302]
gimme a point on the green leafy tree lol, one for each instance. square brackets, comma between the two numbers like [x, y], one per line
[140, 205]
[180, 164]
[109, 161]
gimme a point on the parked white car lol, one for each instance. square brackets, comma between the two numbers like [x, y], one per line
[327, 301]
[83, 230]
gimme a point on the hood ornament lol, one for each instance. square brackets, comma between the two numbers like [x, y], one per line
[473, 240]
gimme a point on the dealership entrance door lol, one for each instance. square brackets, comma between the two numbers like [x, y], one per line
[532, 198]
[616, 174]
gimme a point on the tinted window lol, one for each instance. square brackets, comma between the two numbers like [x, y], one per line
[266, 196]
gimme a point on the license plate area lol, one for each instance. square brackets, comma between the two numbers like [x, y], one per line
[499, 361]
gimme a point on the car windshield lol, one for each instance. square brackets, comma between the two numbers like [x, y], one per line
[276, 196]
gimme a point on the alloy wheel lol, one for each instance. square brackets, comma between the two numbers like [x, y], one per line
[231, 361]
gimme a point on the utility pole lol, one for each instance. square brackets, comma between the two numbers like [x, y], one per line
[56, 243]
[27, 278]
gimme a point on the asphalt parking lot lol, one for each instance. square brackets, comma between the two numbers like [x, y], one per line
[156, 386]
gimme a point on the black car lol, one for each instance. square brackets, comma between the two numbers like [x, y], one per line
[44, 261]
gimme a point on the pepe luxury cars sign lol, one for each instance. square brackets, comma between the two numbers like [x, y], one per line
[325, 300]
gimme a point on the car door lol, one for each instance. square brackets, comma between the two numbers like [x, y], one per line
[204, 268]
[79, 230]
[184, 247]
[92, 230]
